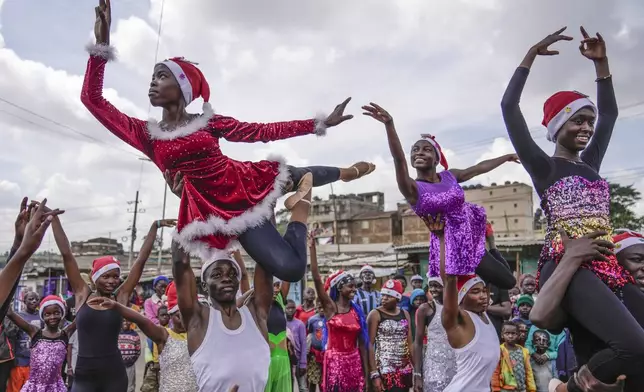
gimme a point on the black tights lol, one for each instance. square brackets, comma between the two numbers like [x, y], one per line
[285, 256]
[618, 325]
[495, 270]
[114, 383]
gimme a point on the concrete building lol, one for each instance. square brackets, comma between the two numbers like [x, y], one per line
[509, 208]
[97, 246]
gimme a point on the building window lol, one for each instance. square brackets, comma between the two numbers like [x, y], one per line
[514, 190]
[365, 225]
[516, 235]
[516, 221]
[365, 240]
[344, 232]
[490, 193]
[515, 205]
[491, 207]
[327, 209]
[492, 223]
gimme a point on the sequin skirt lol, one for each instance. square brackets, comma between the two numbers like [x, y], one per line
[343, 372]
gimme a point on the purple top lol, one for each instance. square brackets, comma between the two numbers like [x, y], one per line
[464, 225]
[298, 330]
[47, 357]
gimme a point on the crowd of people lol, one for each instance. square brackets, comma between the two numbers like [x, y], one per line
[468, 325]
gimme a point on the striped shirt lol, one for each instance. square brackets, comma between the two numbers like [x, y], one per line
[368, 300]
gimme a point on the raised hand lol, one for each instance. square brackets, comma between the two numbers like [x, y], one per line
[174, 183]
[166, 223]
[593, 48]
[542, 48]
[21, 221]
[337, 116]
[378, 113]
[588, 247]
[103, 22]
[102, 302]
[40, 219]
[235, 388]
[434, 224]
[513, 158]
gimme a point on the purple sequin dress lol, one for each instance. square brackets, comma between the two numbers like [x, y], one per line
[464, 225]
[47, 357]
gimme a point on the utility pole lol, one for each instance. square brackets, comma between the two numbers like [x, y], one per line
[165, 195]
[335, 221]
[133, 228]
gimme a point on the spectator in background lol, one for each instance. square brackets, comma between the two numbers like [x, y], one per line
[20, 373]
[523, 331]
[72, 356]
[307, 309]
[6, 353]
[367, 297]
[514, 371]
[529, 286]
[314, 328]
[514, 294]
[404, 302]
[130, 346]
[151, 375]
[416, 282]
[543, 367]
[298, 332]
[152, 304]
[525, 304]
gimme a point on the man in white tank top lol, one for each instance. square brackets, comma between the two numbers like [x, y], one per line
[469, 330]
[228, 346]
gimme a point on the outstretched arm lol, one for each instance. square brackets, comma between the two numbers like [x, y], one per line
[126, 289]
[262, 298]
[130, 130]
[244, 280]
[463, 175]
[78, 285]
[237, 131]
[8, 287]
[158, 334]
[406, 185]
[22, 323]
[594, 48]
[327, 303]
[186, 283]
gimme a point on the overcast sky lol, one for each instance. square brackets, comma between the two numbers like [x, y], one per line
[438, 66]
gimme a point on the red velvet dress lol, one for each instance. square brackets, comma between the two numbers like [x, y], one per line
[221, 197]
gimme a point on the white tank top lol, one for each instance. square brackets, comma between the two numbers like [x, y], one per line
[232, 357]
[476, 362]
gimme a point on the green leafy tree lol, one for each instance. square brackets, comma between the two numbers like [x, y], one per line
[622, 201]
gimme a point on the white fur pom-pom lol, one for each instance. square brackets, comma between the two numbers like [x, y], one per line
[103, 51]
[320, 126]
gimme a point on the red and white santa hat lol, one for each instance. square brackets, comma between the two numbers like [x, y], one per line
[191, 80]
[560, 107]
[367, 267]
[171, 295]
[392, 288]
[51, 300]
[434, 279]
[465, 284]
[626, 238]
[103, 265]
[335, 278]
[439, 152]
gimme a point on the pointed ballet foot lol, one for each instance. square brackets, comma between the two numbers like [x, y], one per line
[586, 381]
[358, 170]
[303, 187]
[557, 385]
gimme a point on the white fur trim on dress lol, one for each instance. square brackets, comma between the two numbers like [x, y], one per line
[60, 304]
[201, 122]
[250, 218]
[565, 114]
[104, 269]
[468, 286]
[103, 51]
[320, 126]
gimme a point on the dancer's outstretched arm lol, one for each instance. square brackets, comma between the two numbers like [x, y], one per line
[80, 289]
[483, 167]
[262, 299]
[21, 222]
[327, 303]
[237, 131]
[130, 130]
[244, 282]
[22, 324]
[594, 48]
[406, 185]
[547, 312]
[195, 315]
[536, 162]
[125, 291]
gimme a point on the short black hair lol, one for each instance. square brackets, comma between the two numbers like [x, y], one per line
[162, 307]
[400, 277]
[541, 332]
[510, 324]
[290, 301]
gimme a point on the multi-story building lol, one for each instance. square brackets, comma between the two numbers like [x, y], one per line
[509, 208]
[97, 246]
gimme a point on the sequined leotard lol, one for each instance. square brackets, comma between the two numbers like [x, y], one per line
[393, 356]
[176, 374]
[221, 197]
[47, 357]
[464, 225]
[574, 198]
[439, 362]
[342, 370]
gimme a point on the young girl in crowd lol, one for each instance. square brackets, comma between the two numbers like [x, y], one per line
[416, 299]
[576, 201]
[345, 335]
[315, 328]
[390, 360]
[433, 193]
[514, 371]
[48, 346]
[175, 374]
[20, 372]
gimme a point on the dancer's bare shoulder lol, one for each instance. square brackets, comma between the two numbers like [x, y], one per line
[197, 327]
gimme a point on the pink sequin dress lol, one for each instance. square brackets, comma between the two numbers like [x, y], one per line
[464, 225]
[46, 363]
[222, 197]
[342, 368]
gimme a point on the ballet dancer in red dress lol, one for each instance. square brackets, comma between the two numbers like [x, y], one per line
[223, 200]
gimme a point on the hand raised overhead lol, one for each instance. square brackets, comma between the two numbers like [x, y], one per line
[542, 48]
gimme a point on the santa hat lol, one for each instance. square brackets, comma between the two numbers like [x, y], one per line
[335, 278]
[440, 156]
[368, 268]
[392, 288]
[416, 277]
[626, 238]
[51, 300]
[192, 82]
[171, 295]
[465, 284]
[560, 107]
[434, 279]
[103, 265]
[219, 256]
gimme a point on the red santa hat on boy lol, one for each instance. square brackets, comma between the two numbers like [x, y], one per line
[560, 107]
[171, 295]
[439, 152]
[392, 288]
[103, 265]
[626, 238]
[465, 284]
[51, 300]
[191, 80]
